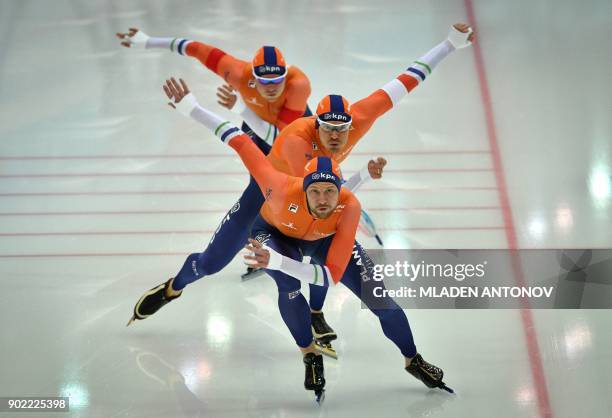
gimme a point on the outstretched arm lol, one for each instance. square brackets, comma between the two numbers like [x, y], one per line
[267, 177]
[367, 110]
[213, 58]
[373, 170]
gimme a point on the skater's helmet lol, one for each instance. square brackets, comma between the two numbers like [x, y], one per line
[268, 61]
[335, 109]
[322, 169]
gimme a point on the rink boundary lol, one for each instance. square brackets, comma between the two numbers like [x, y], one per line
[233, 192]
[216, 155]
[533, 350]
[211, 231]
[221, 211]
[225, 173]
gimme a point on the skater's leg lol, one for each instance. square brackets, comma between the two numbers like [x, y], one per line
[392, 318]
[228, 240]
[317, 297]
[295, 313]
[359, 278]
[292, 304]
[323, 333]
[293, 307]
[260, 142]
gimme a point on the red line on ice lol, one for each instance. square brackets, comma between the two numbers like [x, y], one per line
[218, 211]
[235, 192]
[535, 360]
[216, 155]
[210, 231]
[221, 173]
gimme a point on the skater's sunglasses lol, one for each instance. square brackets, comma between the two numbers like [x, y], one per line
[330, 127]
[267, 81]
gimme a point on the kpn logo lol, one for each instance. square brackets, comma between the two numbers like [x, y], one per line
[336, 117]
[323, 176]
[269, 69]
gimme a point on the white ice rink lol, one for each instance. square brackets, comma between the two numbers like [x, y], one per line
[104, 190]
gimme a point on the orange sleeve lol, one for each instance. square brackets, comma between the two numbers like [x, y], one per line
[341, 247]
[217, 61]
[295, 105]
[286, 116]
[366, 111]
[296, 152]
[271, 182]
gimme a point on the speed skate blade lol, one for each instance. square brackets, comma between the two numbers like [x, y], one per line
[132, 319]
[379, 240]
[320, 396]
[446, 388]
[252, 274]
[326, 349]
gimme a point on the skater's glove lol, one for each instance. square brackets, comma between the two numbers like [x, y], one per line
[274, 262]
[276, 259]
[458, 38]
[134, 39]
[260, 255]
[187, 104]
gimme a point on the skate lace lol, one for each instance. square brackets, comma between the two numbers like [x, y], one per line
[430, 369]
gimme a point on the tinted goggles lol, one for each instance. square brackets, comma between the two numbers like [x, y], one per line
[332, 127]
[266, 81]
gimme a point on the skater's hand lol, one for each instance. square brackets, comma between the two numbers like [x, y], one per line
[226, 95]
[175, 91]
[375, 167]
[259, 257]
[133, 38]
[465, 28]
[457, 35]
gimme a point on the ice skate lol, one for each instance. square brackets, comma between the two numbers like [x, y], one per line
[367, 226]
[252, 273]
[151, 301]
[427, 373]
[323, 335]
[315, 379]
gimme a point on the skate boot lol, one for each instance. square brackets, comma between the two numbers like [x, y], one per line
[152, 300]
[252, 273]
[323, 334]
[427, 373]
[314, 379]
